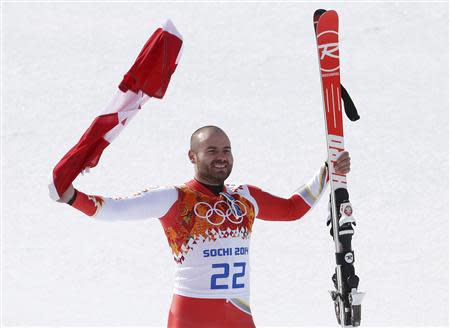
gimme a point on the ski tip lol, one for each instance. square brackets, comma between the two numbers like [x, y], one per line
[318, 13]
[316, 16]
[325, 18]
[330, 13]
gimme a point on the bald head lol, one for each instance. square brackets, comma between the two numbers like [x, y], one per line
[204, 133]
[210, 152]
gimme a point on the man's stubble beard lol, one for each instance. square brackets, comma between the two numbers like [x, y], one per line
[216, 178]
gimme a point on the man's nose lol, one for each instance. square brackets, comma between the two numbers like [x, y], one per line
[222, 157]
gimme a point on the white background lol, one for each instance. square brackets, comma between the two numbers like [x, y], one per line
[250, 68]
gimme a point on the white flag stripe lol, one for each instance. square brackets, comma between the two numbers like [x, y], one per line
[132, 109]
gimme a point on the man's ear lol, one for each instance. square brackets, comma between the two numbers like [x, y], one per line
[191, 156]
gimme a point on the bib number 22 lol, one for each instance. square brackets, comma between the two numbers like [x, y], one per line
[240, 272]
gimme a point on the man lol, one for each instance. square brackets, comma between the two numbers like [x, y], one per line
[208, 225]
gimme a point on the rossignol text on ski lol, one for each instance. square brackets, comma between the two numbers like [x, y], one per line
[347, 299]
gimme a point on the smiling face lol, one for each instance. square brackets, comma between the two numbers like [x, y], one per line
[211, 155]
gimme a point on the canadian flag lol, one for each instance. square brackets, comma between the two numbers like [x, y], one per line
[148, 77]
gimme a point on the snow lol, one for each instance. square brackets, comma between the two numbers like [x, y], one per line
[250, 68]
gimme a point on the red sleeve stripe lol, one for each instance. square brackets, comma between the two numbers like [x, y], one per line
[87, 204]
[274, 208]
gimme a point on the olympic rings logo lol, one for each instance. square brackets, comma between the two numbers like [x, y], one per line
[231, 211]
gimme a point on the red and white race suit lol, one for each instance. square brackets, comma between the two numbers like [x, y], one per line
[209, 236]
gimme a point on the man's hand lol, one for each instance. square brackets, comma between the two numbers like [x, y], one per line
[342, 165]
[68, 194]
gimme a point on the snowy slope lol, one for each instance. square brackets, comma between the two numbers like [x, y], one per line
[250, 68]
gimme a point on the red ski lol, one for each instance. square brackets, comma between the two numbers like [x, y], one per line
[328, 48]
[347, 299]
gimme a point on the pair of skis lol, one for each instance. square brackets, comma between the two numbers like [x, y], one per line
[347, 299]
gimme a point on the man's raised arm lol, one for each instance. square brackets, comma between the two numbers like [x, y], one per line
[274, 208]
[150, 203]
